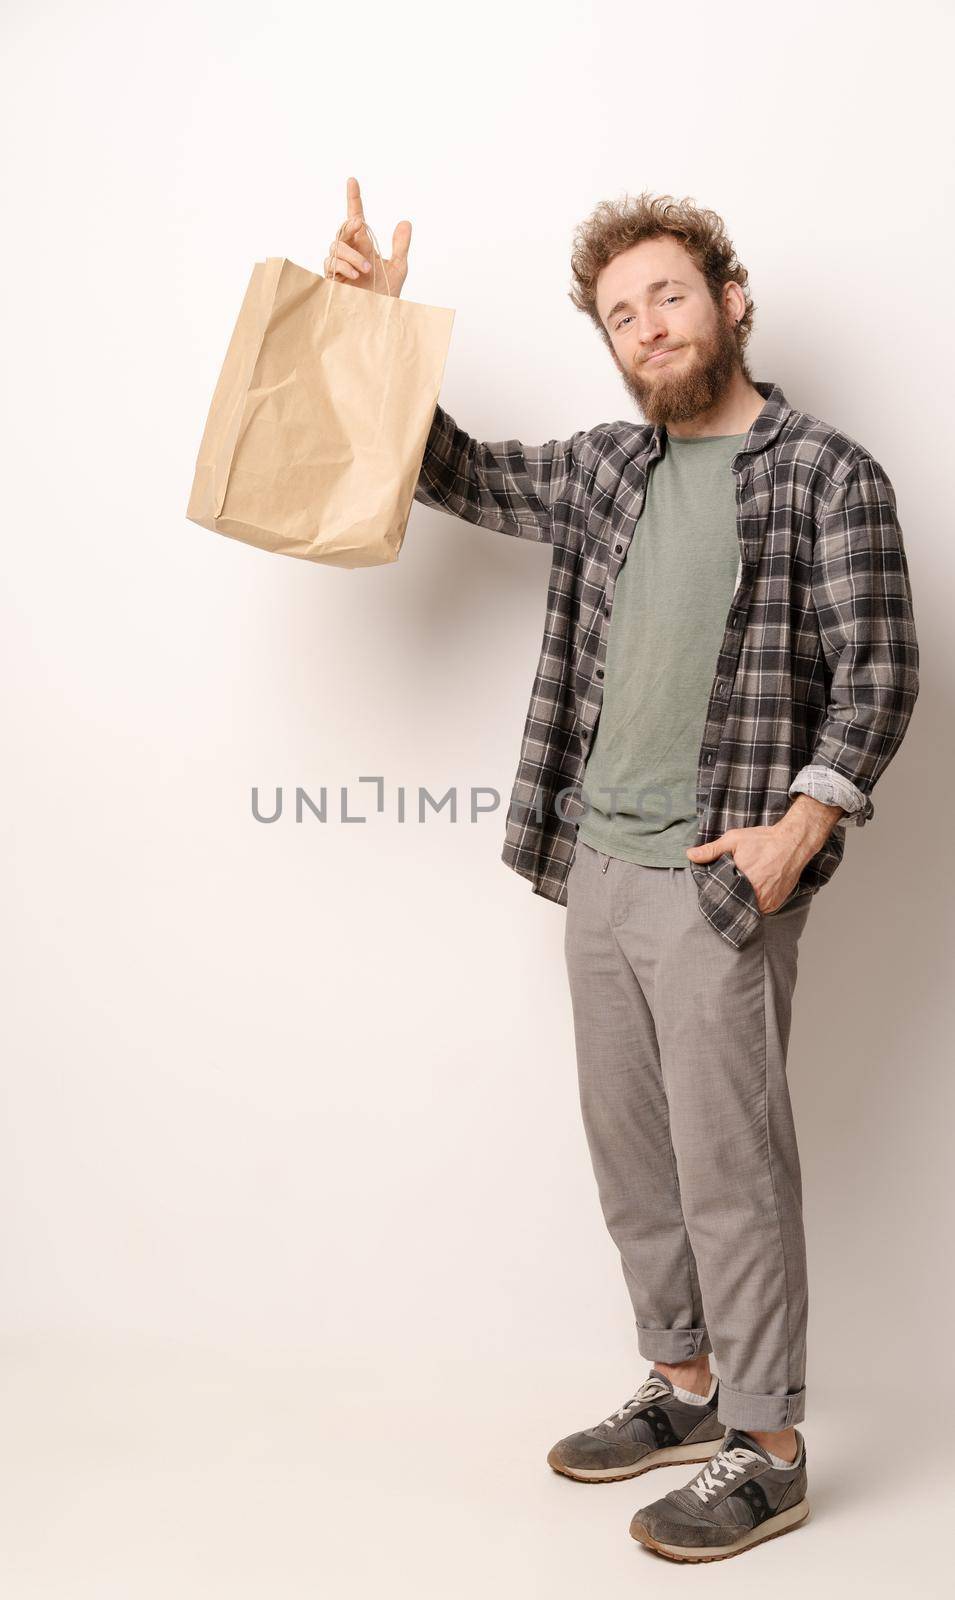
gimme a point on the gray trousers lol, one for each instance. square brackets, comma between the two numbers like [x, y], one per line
[681, 1053]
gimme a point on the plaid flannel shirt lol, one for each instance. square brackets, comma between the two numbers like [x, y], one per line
[817, 673]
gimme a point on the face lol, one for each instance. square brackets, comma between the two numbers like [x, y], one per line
[675, 350]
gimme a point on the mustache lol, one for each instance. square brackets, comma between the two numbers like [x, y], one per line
[662, 352]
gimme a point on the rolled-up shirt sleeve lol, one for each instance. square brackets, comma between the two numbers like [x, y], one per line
[822, 783]
[862, 596]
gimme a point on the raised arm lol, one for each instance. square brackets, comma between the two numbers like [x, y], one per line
[507, 486]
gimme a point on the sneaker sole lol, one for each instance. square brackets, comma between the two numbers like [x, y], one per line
[772, 1528]
[670, 1455]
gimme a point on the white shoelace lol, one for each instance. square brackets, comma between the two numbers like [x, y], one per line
[650, 1389]
[730, 1463]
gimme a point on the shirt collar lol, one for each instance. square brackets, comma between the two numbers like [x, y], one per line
[764, 429]
[762, 433]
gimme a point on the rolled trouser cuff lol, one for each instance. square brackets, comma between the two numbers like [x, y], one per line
[672, 1344]
[768, 1413]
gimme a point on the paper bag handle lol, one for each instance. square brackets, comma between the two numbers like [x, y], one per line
[378, 257]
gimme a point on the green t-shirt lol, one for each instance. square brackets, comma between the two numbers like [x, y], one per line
[669, 615]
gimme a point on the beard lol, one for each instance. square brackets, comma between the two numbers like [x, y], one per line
[678, 393]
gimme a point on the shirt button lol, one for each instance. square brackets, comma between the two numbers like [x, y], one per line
[600, 672]
[577, 827]
[606, 611]
[618, 549]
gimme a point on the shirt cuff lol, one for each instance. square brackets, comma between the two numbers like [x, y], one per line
[822, 783]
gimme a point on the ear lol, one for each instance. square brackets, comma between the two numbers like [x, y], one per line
[734, 302]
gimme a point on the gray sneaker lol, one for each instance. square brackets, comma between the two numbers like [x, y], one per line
[652, 1429]
[739, 1500]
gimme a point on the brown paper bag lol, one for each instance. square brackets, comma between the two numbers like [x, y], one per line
[317, 428]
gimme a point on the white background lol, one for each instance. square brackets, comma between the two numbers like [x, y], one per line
[302, 1268]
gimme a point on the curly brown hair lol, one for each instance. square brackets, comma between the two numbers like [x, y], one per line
[616, 225]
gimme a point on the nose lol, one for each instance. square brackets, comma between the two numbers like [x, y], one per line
[652, 334]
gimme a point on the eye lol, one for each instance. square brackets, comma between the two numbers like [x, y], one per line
[624, 320]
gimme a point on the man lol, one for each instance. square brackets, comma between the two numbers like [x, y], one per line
[729, 665]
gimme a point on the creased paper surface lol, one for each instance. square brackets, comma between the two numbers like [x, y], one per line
[316, 433]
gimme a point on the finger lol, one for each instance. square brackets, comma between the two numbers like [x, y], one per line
[339, 269]
[354, 199]
[352, 229]
[335, 264]
[347, 252]
[400, 240]
[356, 230]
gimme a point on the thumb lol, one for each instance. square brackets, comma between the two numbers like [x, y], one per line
[400, 240]
[709, 851]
